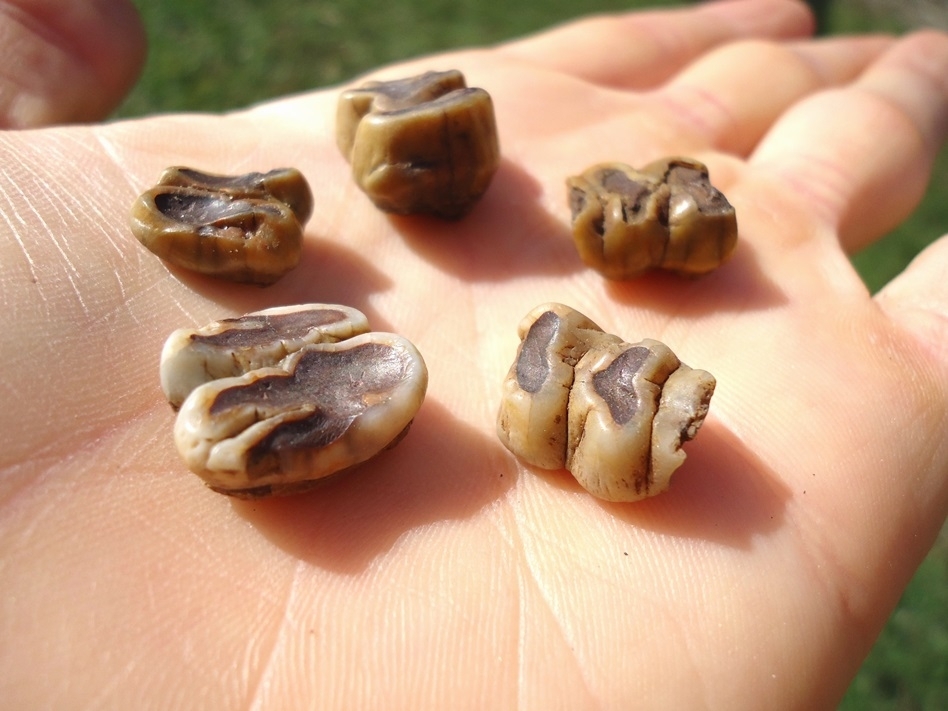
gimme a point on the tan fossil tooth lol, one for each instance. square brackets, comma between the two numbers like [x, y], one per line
[665, 216]
[426, 144]
[246, 228]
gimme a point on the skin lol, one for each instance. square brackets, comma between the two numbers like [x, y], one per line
[66, 60]
[444, 573]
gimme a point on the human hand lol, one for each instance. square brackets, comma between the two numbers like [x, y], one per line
[66, 60]
[444, 573]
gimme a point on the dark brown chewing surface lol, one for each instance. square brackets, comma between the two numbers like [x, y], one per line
[208, 210]
[320, 399]
[257, 329]
[248, 182]
[616, 383]
[577, 200]
[630, 192]
[665, 216]
[286, 185]
[533, 364]
[407, 93]
[340, 377]
[694, 183]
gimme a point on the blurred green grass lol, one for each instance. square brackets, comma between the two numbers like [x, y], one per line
[220, 54]
[216, 55]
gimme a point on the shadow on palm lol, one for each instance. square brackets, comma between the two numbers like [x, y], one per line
[443, 470]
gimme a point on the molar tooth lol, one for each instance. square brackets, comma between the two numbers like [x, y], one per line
[288, 396]
[665, 216]
[614, 414]
[425, 144]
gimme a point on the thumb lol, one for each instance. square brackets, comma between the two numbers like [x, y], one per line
[917, 302]
[917, 299]
[64, 61]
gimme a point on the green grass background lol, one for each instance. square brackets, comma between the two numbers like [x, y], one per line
[214, 55]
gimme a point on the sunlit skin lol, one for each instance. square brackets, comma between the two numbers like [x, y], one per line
[444, 574]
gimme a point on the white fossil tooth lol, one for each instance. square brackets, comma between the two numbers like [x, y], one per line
[233, 346]
[324, 408]
[614, 414]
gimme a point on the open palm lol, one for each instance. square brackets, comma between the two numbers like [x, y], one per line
[444, 573]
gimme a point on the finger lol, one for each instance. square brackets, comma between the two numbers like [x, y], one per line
[642, 49]
[858, 159]
[730, 98]
[918, 299]
[66, 61]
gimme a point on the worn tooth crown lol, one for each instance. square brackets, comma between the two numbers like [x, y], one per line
[425, 144]
[246, 228]
[665, 216]
[275, 400]
[284, 184]
[325, 408]
[194, 356]
[614, 414]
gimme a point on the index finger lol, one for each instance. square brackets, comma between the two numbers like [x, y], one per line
[640, 50]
